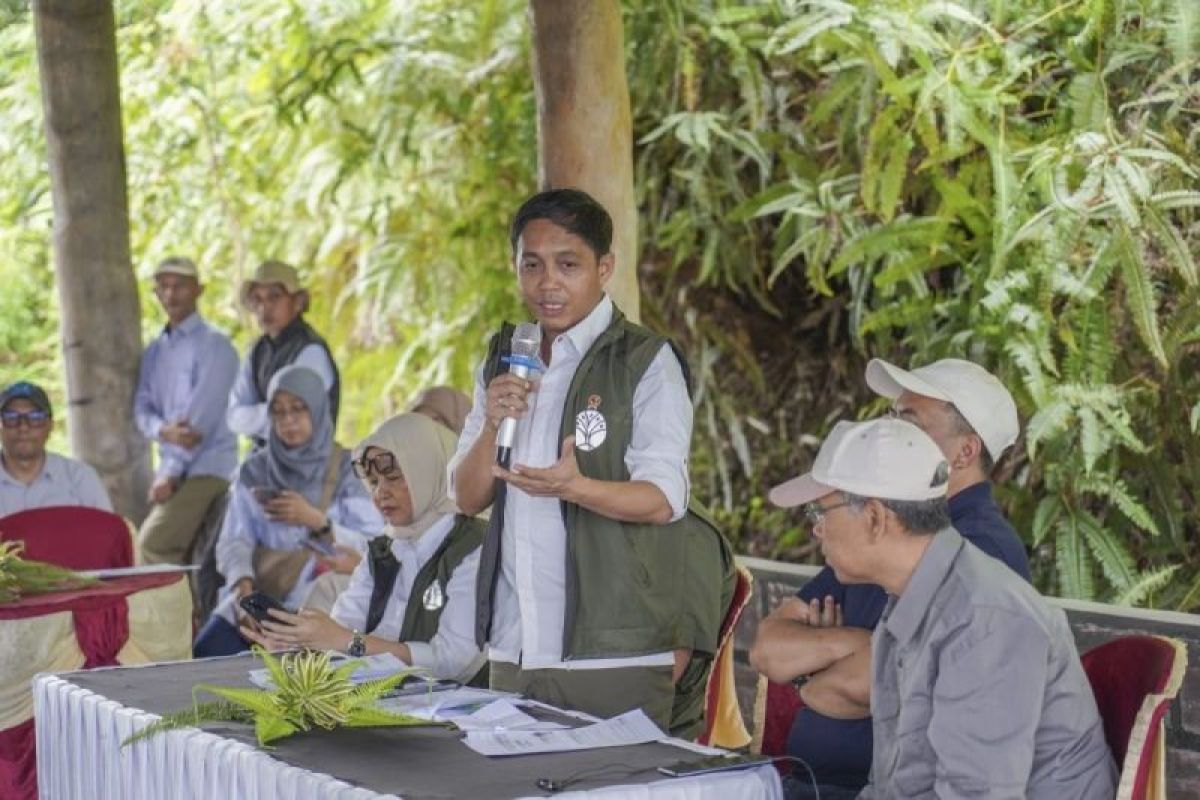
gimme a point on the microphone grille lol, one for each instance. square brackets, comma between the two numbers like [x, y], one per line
[527, 340]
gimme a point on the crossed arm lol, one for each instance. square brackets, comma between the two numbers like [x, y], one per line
[800, 638]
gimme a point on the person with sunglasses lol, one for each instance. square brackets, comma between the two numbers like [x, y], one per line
[31, 476]
[292, 501]
[414, 595]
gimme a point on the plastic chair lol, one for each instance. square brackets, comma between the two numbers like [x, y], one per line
[723, 725]
[75, 537]
[1134, 679]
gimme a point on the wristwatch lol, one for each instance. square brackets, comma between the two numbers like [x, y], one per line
[358, 645]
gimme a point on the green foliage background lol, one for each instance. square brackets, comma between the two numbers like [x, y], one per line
[819, 181]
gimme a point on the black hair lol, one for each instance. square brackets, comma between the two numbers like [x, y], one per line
[986, 462]
[572, 209]
[920, 517]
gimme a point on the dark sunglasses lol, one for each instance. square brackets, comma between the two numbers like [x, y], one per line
[382, 464]
[34, 419]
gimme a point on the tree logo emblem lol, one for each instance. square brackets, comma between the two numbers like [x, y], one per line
[434, 598]
[591, 429]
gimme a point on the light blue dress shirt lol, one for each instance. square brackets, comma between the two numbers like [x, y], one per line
[187, 373]
[63, 482]
[351, 514]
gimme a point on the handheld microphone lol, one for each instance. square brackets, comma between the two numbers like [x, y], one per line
[524, 362]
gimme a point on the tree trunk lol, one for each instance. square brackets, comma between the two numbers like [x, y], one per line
[584, 129]
[100, 314]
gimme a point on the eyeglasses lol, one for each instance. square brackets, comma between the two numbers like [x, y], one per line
[34, 419]
[382, 464]
[282, 412]
[815, 512]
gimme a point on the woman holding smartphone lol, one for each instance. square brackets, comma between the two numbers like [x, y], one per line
[292, 501]
[414, 593]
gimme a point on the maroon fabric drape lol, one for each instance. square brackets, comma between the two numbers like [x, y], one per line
[101, 618]
[18, 763]
[101, 632]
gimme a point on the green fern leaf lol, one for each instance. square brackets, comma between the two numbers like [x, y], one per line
[269, 727]
[1140, 295]
[259, 701]
[1145, 586]
[1073, 562]
[1048, 421]
[1112, 555]
[190, 718]
[892, 179]
[1172, 242]
[1048, 509]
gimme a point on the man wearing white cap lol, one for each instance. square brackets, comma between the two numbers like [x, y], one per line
[976, 686]
[973, 419]
[183, 390]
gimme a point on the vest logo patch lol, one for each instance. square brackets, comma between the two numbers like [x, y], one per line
[434, 598]
[591, 429]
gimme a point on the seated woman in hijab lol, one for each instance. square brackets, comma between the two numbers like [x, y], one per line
[414, 593]
[290, 502]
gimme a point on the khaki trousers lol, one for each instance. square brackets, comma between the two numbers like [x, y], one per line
[168, 532]
[601, 692]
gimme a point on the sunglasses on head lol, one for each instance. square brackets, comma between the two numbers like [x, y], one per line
[34, 419]
[382, 464]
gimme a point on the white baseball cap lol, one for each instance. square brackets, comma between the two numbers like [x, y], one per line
[977, 394]
[886, 458]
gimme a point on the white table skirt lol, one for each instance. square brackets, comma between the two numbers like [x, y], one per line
[79, 757]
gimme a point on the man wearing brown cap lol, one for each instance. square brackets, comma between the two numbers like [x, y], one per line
[30, 476]
[278, 301]
[976, 686]
[182, 395]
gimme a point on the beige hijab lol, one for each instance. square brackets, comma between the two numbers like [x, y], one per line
[444, 404]
[423, 450]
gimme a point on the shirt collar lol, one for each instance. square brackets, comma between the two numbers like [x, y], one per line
[585, 332]
[48, 468]
[967, 500]
[909, 610]
[184, 328]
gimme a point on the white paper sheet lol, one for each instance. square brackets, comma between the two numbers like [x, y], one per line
[503, 715]
[443, 706]
[632, 727]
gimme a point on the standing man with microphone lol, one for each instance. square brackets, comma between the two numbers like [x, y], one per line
[582, 567]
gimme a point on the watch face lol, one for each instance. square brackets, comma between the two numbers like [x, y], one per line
[358, 647]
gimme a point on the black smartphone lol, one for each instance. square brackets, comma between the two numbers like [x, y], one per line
[708, 764]
[257, 604]
[264, 494]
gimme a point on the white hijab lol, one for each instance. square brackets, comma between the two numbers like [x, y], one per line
[422, 449]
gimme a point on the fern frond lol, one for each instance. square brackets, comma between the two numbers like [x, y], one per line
[191, 717]
[1146, 585]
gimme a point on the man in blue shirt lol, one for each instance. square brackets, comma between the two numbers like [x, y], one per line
[822, 636]
[183, 391]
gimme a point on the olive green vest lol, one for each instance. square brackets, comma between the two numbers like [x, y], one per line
[632, 589]
[421, 623]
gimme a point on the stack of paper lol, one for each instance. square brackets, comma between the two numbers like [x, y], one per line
[632, 727]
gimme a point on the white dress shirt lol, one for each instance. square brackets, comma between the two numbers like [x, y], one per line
[451, 653]
[530, 603]
[63, 482]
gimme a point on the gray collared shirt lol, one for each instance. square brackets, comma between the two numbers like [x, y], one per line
[63, 482]
[977, 689]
